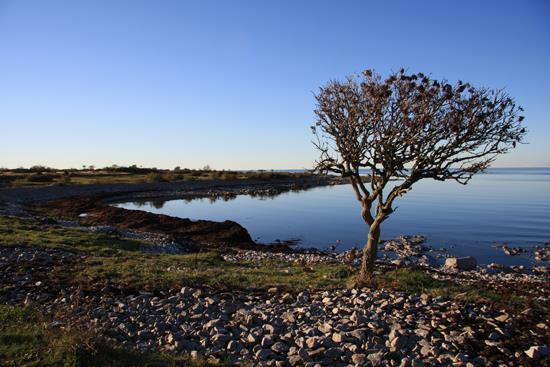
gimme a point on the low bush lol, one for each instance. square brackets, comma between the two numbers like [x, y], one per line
[40, 177]
[156, 177]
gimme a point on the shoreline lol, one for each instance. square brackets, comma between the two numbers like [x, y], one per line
[17, 201]
[90, 205]
[226, 298]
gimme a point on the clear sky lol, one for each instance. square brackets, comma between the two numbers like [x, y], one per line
[231, 83]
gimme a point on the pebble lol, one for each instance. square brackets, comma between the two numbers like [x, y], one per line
[360, 326]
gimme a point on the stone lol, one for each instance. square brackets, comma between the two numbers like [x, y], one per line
[263, 354]
[186, 292]
[234, 346]
[221, 338]
[267, 341]
[312, 343]
[337, 337]
[376, 358]
[294, 360]
[502, 318]
[357, 318]
[288, 317]
[460, 357]
[358, 334]
[317, 352]
[398, 343]
[270, 329]
[279, 347]
[358, 358]
[304, 355]
[537, 352]
[325, 328]
[251, 338]
[461, 263]
[332, 354]
[425, 351]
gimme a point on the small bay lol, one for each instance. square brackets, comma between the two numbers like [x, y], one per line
[502, 206]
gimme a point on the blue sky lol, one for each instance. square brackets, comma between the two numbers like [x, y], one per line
[231, 83]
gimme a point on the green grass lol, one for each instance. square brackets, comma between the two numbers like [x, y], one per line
[27, 341]
[416, 281]
[17, 232]
[116, 261]
[208, 270]
[24, 341]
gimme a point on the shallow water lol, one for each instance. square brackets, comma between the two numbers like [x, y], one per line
[502, 206]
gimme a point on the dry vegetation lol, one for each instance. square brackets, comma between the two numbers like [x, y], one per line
[45, 176]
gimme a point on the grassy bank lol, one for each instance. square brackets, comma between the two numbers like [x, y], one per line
[115, 261]
[27, 337]
[18, 232]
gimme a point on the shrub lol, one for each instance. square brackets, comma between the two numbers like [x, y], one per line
[156, 177]
[40, 177]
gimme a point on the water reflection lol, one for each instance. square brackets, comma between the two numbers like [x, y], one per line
[467, 220]
[260, 194]
[143, 204]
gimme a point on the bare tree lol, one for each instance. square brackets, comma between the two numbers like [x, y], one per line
[408, 127]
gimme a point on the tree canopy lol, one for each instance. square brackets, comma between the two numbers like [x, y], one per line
[411, 127]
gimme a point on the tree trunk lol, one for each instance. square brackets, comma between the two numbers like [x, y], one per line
[369, 254]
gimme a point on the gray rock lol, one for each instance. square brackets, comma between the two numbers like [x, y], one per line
[358, 334]
[358, 358]
[312, 343]
[461, 263]
[417, 363]
[288, 317]
[304, 355]
[399, 343]
[279, 347]
[263, 354]
[267, 341]
[250, 338]
[537, 352]
[294, 360]
[376, 358]
[332, 354]
[234, 346]
[337, 338]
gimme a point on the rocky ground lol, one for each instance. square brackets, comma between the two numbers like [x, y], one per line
[378, 326]
[341, 327]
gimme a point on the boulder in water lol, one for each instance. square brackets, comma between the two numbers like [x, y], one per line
[461, 263]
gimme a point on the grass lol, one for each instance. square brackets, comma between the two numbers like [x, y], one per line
[49, 177]
[27, 341]
[208, 270]
[116, 261]
[17, 232]
[416, 281]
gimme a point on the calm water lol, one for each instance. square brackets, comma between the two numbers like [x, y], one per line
[502, 206]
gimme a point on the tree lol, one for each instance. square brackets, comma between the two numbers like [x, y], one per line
[408, 127]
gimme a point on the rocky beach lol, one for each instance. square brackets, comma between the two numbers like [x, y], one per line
[427, 308]
[339, 327]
